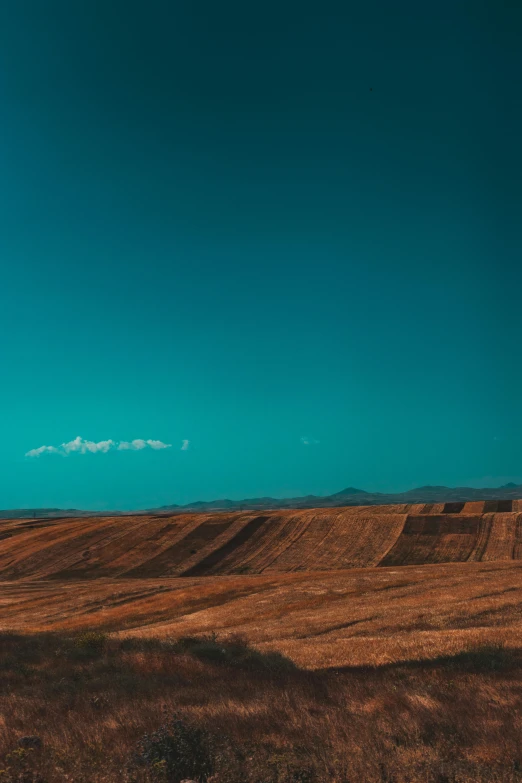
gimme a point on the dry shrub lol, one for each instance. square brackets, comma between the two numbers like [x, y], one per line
[177, 751]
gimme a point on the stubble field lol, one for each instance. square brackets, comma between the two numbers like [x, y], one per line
[331, 645]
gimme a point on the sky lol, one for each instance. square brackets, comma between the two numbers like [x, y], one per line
[280, 241]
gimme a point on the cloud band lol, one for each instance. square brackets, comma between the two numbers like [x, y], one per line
[81, 446]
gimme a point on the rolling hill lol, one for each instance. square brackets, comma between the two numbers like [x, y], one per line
[327, 587]
[188, 545]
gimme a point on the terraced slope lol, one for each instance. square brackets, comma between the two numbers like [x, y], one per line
[254, 543]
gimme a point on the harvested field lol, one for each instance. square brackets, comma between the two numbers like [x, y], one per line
[362, 617]
[251, 543]
[310, 636]
[315, 584]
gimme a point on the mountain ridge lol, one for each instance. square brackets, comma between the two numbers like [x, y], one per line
[350, 496]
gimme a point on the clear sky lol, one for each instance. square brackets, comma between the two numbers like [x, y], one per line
[288, 233]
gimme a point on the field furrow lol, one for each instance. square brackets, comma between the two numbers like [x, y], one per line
[501, 542]
[173, 559]
[434, 539]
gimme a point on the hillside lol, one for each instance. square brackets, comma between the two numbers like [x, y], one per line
[359, 617]
[251, 543]
[403, 622]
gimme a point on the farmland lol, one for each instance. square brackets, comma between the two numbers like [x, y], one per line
[319, 619]
[309, 634]
[189, 545]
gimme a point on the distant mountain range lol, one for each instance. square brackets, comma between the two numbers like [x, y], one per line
[347, 497]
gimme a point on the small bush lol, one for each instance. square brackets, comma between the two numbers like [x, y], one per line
[90, 644]
[177, 751]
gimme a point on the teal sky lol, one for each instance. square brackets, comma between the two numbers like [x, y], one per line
[288, 233]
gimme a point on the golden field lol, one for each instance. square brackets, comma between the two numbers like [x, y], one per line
[254, 543]
[378, 644]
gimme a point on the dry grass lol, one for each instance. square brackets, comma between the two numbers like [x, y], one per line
[398, 674]
[90, 700]
[369, 616]
[253, 543]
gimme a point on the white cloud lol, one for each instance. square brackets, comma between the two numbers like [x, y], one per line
[133, 445]
[184, 445]
[157, 444]
[307, 441]
[81, 446]
[42, 450]
[138, 444]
